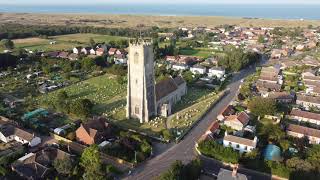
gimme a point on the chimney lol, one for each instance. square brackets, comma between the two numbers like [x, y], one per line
[234, 171]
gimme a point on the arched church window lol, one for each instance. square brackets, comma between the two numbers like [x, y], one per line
[136, 58]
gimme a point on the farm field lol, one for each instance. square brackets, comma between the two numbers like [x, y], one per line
[63, 42]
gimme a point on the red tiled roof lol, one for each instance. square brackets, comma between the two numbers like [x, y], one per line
[228, 111]
[304, 130]
[305, 114]
[214, 126]
[243, 118]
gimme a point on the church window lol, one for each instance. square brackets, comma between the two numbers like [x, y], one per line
[136, 58]
[136, 110]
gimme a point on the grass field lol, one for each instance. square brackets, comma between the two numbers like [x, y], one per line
[199, 52]
[63, 42]
[104, 91]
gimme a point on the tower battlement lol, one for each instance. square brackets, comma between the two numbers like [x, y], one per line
[140, 42]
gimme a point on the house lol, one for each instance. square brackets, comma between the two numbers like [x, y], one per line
[112, 51]
[265, 87]
[63, 55]
[53, 54]
[198, 69]
[237, 122]
[313, 135]
[86, 50]
[242, 145]
[282, 97]
[93, 132]
[218, 72]
[305, 116]
[39, 165]
[92, 51]
[213, 128]
[308, 102]
[279, 53]
[225, 174]
[76, 50]
[10, 133]
[179, 67]
[120, 59]
[170, 58]
[229, 110]
[73, 57]
[100, 51]
[270, 75]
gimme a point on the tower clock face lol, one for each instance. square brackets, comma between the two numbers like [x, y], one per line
[136, 58]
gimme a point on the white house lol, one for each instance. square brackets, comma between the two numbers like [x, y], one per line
[218, 72]
[76, 50]
[92, 51]
[179, 67]
[120, 59]
[198, 69]
[240, 144]
[10, 133]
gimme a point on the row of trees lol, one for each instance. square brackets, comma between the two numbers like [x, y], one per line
[14, 31]
[236, 59]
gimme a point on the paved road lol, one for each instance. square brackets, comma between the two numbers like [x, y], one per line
[184, 150]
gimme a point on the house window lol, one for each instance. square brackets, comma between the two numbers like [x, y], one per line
[136, 110]
[246, 148]
[238, 146]
[230, 143]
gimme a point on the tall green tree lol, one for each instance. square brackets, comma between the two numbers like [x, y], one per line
[90, 161]
[262, 106]
[7, 43]
[81, 107]
[64, 166]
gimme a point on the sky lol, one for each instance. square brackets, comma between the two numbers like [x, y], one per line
[93, 2]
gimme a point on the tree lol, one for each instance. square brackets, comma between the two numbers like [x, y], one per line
[262, 106]
[261, 39]
[61, 102]
[313, 156]
[271, 132]
[92, 43]
[174, 173]
[91, 163]
[166, 134]
[64, 166]
[82, 107]
[7, 43]
[299, 164]
[187, 76]
[88, 64]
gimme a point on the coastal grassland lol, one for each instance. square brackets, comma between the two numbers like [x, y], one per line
[63, 42]
[131, 21]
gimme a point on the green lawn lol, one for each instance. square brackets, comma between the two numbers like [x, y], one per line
[199, 52]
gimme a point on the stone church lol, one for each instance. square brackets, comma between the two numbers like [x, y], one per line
[145, 98]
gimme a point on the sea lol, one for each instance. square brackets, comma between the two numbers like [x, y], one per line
[265, 11]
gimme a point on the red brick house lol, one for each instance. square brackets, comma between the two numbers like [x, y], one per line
[93, 131]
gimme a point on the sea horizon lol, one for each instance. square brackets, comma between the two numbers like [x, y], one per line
[261, 11]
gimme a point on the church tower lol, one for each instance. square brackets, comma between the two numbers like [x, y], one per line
[141, 98]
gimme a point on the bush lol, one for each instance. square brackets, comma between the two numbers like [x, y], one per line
[167, 135]
[217, 151]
